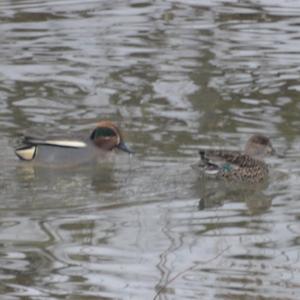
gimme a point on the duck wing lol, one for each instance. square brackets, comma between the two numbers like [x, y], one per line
[214, 161]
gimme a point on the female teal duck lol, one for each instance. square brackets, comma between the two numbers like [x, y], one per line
[68, 152]
[245, 166]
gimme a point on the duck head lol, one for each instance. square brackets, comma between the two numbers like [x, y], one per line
[259, 146]
[107, 136]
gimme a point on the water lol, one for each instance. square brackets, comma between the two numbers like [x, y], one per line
[174, 75]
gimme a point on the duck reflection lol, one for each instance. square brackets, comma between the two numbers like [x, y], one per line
[98, 178]
[216, 193]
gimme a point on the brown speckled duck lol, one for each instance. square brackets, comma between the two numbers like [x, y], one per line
[247, 166]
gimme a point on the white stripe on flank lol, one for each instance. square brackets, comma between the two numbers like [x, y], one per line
[66, 143]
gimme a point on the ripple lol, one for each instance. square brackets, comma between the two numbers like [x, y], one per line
[176, 75]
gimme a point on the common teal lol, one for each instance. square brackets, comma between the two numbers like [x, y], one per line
[69, 152]
[247, 166]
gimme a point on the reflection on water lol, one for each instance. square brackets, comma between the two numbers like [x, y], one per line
[174, 75]
[215, 194]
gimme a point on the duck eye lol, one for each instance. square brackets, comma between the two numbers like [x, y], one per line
[102, 132]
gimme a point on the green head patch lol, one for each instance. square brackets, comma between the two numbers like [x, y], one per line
[102, 132]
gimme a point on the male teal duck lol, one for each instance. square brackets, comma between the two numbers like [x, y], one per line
[247, 166]
[105, 138]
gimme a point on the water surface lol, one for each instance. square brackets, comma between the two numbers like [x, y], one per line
[174, 75]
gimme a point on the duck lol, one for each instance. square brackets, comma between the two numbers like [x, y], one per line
[104, 139]
[246, 166]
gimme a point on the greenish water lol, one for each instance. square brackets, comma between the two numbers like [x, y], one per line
[174, 75]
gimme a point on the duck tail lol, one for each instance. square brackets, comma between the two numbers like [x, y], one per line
[30, 140]
[27, 152]
[206, 165]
